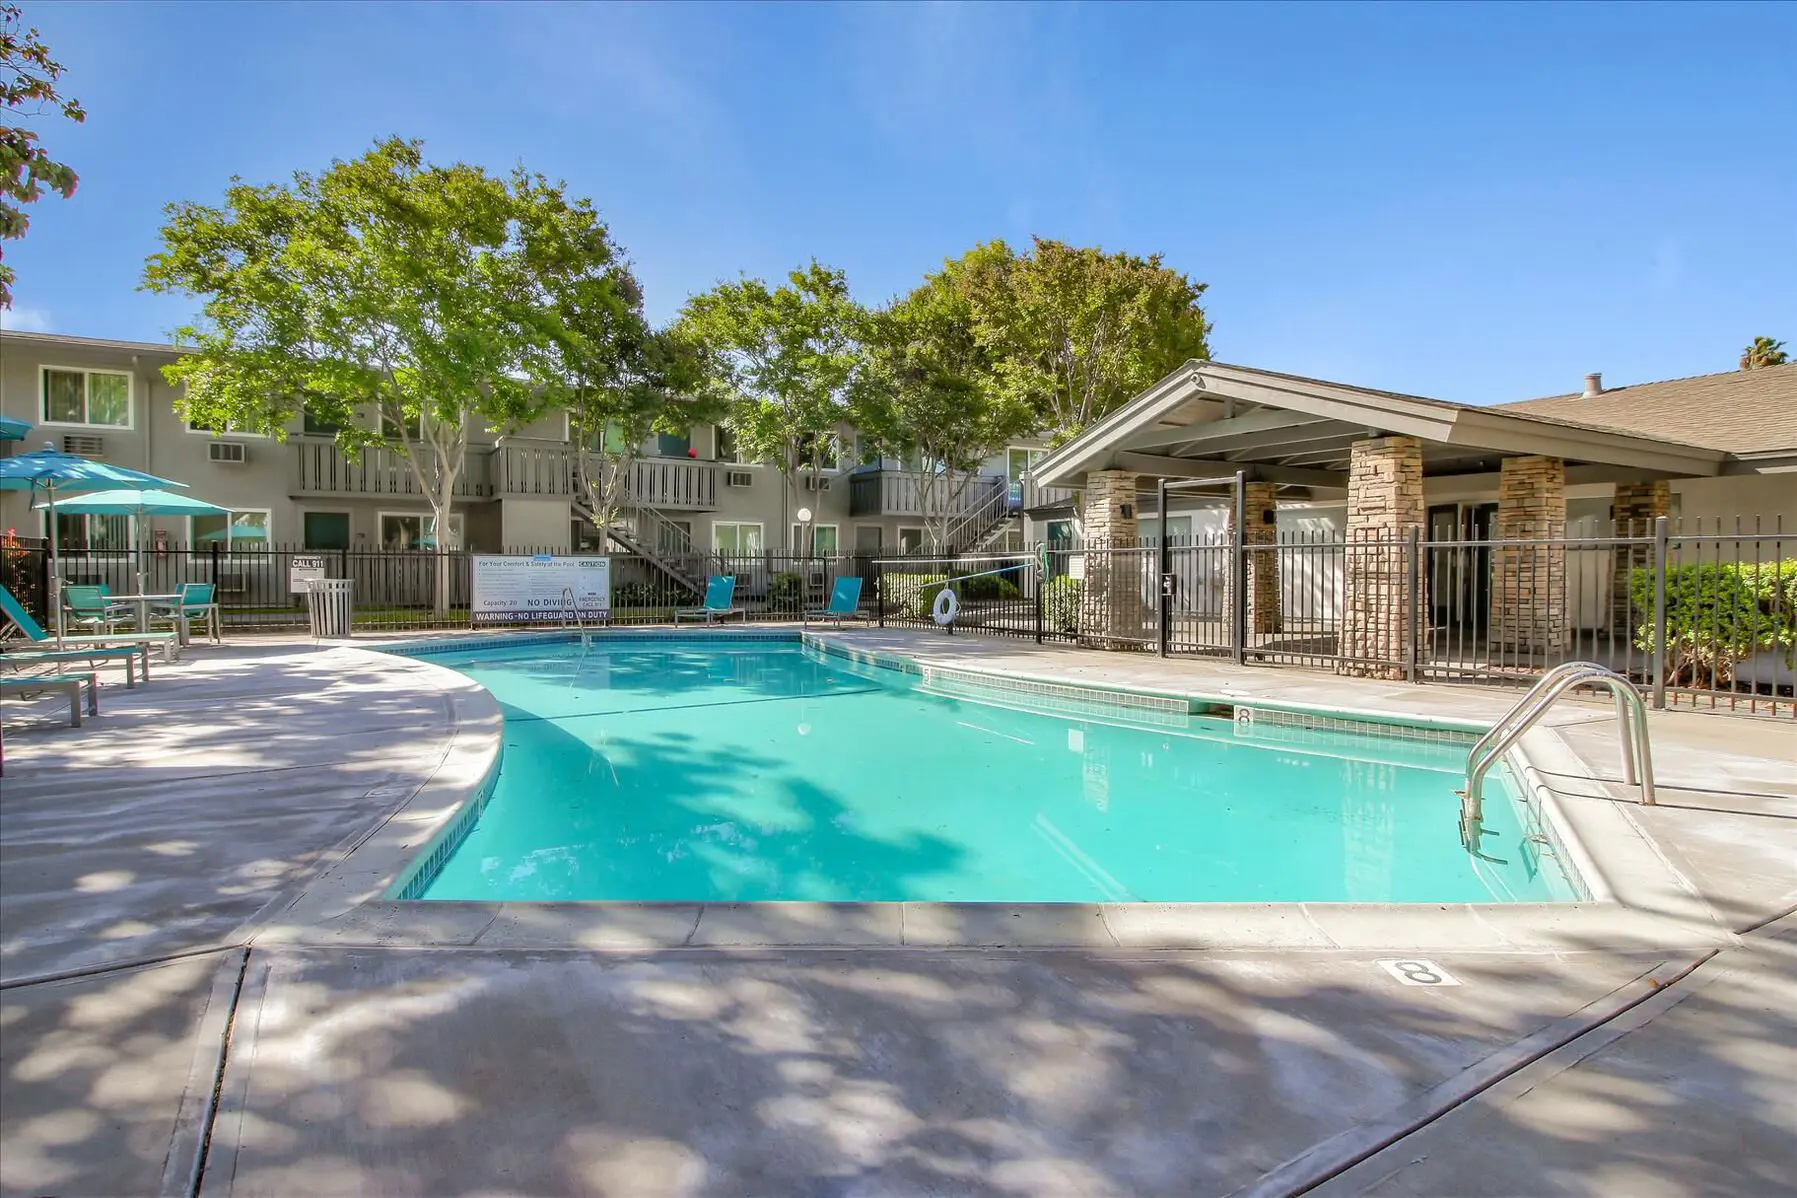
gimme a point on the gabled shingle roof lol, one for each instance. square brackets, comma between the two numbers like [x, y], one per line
[1741, 411]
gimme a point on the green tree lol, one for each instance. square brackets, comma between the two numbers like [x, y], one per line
[1075, 332]
[780, 361]
[28, 79]
[930, 386]
[1763, 351]
[400, 301]
[619, 381]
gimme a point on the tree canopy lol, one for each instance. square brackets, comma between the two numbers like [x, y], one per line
[28, 87]
[930, 386]
[1075, 332]
[1761, 352]
[400, 301]
[780, 360]
[618, 379]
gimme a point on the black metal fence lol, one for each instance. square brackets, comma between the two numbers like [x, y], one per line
[1704, 616]
[398, 591]
[1699, 616]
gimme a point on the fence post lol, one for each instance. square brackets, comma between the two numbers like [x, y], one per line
[49, 602]
[1659, 612]
[1238, 568]
[215, 583]
[1163, 568]
[1041, 585]
[880, 592]
[1412, 573]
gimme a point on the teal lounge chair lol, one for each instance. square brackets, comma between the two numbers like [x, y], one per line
[720, 589]
[196, 603]
[845, 603]
[18, 617]
[51, 684]
[91, 607]
[135, 657]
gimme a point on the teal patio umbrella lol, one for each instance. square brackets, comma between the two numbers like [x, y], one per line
[13, 430]
[53, 472]
[139, 504]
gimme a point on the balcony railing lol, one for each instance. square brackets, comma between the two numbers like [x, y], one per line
[1031, 496]
[918, 493]
[525, 468]
[325, 470]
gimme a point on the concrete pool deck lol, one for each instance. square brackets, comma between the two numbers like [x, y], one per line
[173, 877]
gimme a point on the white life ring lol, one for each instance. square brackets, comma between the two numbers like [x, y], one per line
[944, 609]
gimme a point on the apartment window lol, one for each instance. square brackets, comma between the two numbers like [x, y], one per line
[815, 452]
[231, 428]
[92, 532]
[1019, 458]
[867, 450]
[315, 426]
[245, 529]
[736, 539]
[823, 539]
[95, 397]
[674, 445]
[414, 530]
[414, 427]
[326, 530]
[726, 445]
[607, 439]
[910, 540]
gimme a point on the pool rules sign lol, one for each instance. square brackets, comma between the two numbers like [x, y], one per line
[514, 590]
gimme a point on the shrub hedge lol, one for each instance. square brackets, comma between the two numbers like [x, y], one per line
[1061, 603]
[1718, 614]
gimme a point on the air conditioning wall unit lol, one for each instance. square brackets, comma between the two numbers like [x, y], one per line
[231, 452]
[86, 444]
[738, 478]
[817, 484]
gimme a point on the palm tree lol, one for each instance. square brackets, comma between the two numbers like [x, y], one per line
[1763, 352]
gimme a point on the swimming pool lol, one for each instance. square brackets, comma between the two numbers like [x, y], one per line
[716, 770]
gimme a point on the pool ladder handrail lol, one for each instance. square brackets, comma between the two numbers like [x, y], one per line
[1631, 729]
[571, 606]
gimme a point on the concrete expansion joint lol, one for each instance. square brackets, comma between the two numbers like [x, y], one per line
[106, 967]
[1336, 1155]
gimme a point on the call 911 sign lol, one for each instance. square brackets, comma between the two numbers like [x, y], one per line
[521, 589]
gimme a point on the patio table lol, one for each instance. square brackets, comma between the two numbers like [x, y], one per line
[142, 603]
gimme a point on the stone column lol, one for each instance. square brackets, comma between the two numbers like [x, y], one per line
[1112, 611]
[1259, 505]
[1633, 513]
[1385, 501]
[1528, 583]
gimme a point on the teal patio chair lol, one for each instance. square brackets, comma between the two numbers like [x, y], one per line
[18, 618]
[91, 607]
[845, 603]
[720, 590]
[196, 602]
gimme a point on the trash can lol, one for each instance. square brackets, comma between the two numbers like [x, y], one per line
[327, 601]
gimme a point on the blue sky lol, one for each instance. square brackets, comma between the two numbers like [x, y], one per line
[1474, 203]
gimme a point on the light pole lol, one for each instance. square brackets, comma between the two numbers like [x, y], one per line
[804, 515]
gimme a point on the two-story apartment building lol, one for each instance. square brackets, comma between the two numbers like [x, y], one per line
[687, 493]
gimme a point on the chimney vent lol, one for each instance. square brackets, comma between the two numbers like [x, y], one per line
[1594, 384]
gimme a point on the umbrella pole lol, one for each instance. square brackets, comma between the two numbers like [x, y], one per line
[55, 566]
[138, 528]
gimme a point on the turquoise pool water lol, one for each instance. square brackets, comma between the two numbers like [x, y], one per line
[720, 771]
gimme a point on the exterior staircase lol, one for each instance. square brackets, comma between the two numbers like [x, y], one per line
[984, 523]
[649, 529]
